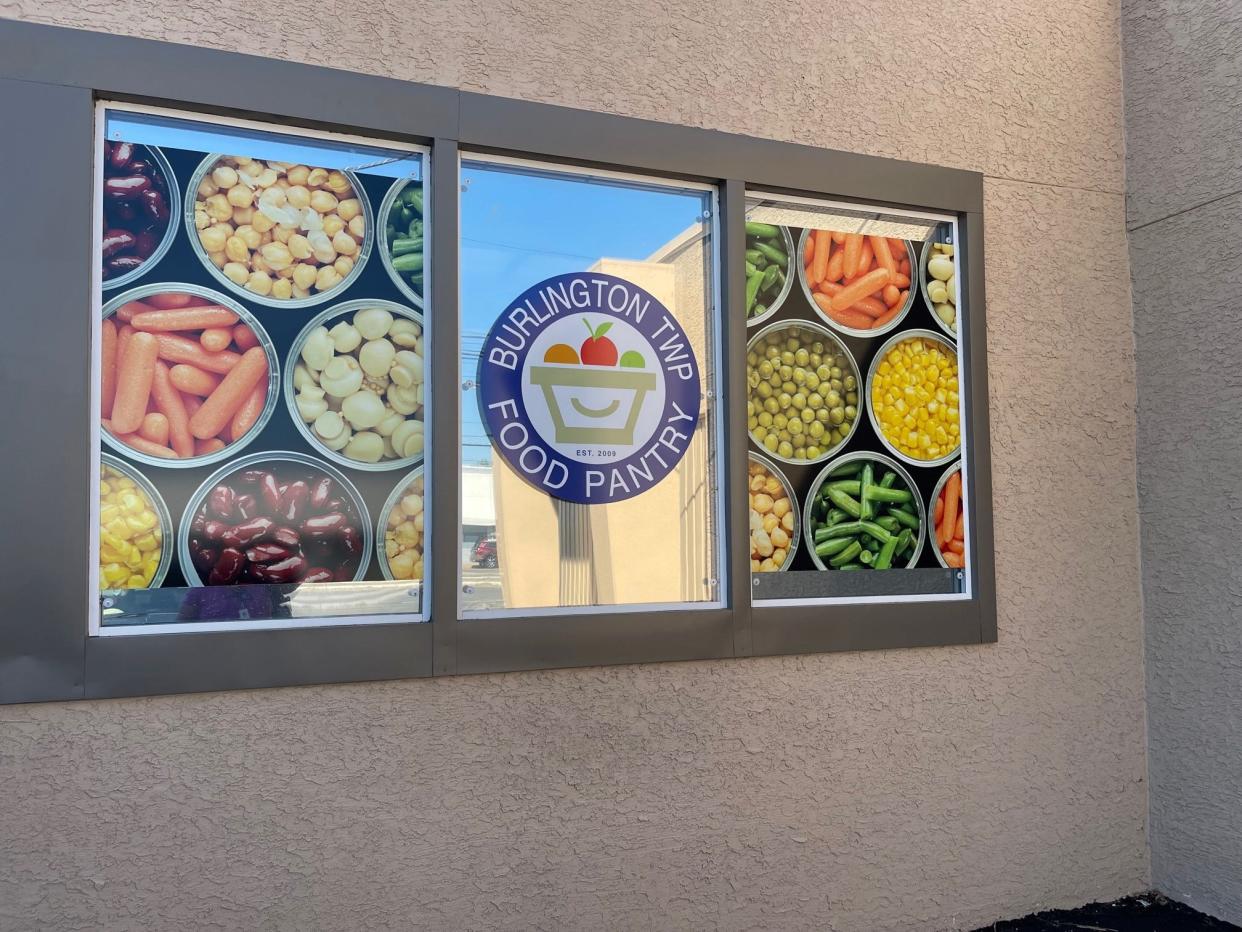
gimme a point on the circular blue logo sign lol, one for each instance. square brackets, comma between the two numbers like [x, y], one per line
[588, 388]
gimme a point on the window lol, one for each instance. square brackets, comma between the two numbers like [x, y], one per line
[590, 471]
[856, 382]
[262, 359]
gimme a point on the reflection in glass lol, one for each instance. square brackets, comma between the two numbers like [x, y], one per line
[600, 390]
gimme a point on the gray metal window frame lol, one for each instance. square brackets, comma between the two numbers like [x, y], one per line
[50, 78]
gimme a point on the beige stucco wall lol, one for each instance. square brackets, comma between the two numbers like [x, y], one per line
[902, 790]
[1184, 173]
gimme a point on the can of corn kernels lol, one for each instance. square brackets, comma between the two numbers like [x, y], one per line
[110, 467]
[946, 346]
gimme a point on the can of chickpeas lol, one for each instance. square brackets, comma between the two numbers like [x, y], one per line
[183, 350]
[240, 244]
[411, 484]
[760, 467]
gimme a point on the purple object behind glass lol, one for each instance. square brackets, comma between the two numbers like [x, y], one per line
[234, 603]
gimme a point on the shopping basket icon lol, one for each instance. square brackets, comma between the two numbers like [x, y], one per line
[607, 418]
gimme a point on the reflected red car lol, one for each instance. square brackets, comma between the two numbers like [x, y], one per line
[484, 552]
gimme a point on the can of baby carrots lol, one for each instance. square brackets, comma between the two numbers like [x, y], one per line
[865, 334]
[185, 348]
[931, 510]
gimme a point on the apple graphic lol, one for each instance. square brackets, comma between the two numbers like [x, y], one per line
[597, 349]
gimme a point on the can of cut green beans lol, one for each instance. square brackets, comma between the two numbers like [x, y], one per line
[381, 241]
[779, 300]
[886, 463]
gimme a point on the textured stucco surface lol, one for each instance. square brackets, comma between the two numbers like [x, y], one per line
[898, 790]
[1190, 484]
[1183, 84]
[1183, 88]
[1025, 91]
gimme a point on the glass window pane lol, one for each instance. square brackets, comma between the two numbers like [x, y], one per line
[262, 358]
[589, 438]
[855, 420]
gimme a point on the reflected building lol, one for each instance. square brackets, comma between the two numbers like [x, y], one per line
[657, 547]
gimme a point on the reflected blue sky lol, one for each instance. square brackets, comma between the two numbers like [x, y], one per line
[519, 227]
[158, 130]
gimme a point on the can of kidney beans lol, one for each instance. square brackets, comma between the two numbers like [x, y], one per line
[157, 164]
[237, 515]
